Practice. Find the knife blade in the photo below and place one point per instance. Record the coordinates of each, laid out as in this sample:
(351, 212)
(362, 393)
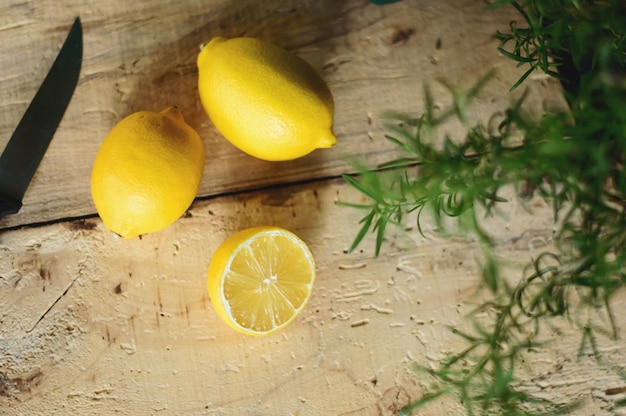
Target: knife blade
(33, 134)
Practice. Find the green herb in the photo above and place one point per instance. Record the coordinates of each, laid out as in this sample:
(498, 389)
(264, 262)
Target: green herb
(572, 160)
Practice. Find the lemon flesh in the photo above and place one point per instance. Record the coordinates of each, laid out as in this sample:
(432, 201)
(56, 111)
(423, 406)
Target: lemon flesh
(147, 172)
(260, 279)
(266, 101)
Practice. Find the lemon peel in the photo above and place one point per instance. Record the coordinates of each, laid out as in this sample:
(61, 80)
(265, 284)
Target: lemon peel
(147, 172)
(266, 101)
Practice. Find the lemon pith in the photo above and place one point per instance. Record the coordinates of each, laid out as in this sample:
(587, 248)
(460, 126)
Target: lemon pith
(260, 279)
(266, 101)
(147, 172)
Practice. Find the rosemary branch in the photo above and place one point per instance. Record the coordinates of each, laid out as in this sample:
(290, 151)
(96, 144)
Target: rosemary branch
(574, 161)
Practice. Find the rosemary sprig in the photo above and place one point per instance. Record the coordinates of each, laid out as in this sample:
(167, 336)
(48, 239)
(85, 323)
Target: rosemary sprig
(567, 39)
(574, 161)
(532, 44)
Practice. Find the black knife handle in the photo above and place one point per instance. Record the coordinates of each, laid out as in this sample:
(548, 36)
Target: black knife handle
(8, 205)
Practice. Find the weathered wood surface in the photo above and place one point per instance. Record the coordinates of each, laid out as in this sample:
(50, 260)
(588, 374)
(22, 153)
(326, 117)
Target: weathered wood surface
(94, 325)
(140, 55)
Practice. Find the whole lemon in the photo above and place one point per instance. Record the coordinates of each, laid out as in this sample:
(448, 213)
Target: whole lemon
(265, 100)
(147, 172)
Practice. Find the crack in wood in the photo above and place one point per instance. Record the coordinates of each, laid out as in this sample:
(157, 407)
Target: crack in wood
(67, 289)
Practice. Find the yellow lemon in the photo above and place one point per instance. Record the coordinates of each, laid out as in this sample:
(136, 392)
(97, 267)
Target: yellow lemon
(260, 279)
(147, 172)
(265, 100)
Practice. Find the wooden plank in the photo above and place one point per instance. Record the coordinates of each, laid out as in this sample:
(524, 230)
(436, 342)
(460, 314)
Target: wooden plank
(140, 55)
(96, 325)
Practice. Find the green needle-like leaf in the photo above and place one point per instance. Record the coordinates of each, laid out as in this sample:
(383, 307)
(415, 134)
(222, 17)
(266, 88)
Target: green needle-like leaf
(573, 161)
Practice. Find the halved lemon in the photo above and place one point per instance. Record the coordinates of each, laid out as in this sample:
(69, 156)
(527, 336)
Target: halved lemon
(260, 279)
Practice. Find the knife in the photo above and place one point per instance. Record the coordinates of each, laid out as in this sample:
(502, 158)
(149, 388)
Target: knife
(31, 138)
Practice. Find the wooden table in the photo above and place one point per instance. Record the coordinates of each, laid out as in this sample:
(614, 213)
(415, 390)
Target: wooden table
(91, 324)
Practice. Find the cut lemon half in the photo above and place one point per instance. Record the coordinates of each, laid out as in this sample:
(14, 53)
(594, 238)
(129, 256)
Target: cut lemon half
(260, 279)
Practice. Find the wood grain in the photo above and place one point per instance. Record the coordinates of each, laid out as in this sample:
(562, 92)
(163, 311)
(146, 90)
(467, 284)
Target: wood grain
(140, 55)
(94, 324)
(91, 324)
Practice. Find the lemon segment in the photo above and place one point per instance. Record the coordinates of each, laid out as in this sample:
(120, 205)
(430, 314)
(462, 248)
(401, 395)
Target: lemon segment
(260, 279)
(147, 172)
(266, 101)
